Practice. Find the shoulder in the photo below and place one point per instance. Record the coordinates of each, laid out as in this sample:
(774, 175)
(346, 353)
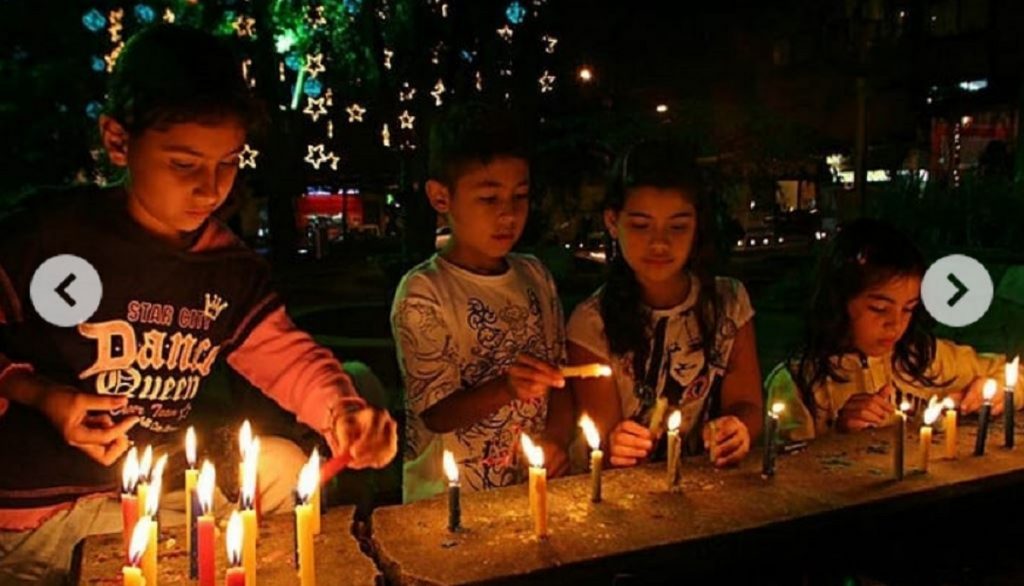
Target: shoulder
(530, 267)
(422, 279)
(586, 316)
(734, 299)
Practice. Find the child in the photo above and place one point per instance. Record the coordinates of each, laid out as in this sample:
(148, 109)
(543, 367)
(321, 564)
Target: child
(478, 328)
(867, 345)
(178, 292)
(668, 328)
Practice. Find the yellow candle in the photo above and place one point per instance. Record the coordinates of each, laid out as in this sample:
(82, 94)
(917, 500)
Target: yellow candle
(191, 477)
(244, 440)
(586, 371)
(538, 486)
(132, 574)
(931, 415)
(674, 452)
(952, 448)
(249, 532)
(315, 499)
(250, 519)
(304, 526)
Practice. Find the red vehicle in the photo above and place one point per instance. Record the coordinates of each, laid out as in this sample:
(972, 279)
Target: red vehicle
(329, 208)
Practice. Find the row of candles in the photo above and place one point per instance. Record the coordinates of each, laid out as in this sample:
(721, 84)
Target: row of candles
(142, 484)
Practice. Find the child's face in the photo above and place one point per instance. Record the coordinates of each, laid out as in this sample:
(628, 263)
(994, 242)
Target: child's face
(178, 176)
(880, 315)
(655, 230)
(487, 207)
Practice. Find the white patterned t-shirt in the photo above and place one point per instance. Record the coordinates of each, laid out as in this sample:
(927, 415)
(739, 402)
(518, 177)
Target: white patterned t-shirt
(455, 330)
(675, 367)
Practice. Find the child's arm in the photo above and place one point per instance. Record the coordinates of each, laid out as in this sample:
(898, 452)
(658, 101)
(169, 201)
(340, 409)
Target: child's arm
(527, 379)
(306, 379)
(742, 404)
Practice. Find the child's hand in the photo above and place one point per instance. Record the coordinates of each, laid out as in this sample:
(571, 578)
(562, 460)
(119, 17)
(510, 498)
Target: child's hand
(971, 398)
(866, 410)
(731, 441)
(84, 421)
(369, 436)
(630, 443)
(530, 378)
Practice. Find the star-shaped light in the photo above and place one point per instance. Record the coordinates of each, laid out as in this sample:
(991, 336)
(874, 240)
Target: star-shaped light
(168, 16)
(385, 135)
(315, 108)
(247, 158)
(388, 54)
(243, 25)
(549, 44)
(355, 113)
(319, 19)
(406, 119)
(330, 129)
(438, 92)
(547, 82)
(315, 64)
(111, 57)
(479, 82)
(505, 33)
(314, 155)
(408, 94)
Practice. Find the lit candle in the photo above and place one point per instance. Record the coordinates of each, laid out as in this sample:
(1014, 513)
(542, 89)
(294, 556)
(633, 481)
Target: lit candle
(586, 371)
(248, 516)
(191, 476)
(1011, 370)
(771, 428)
(129, 502)
(596, 456)
(235, 575)
(987, 394)
(131, 573)
(149, 561)
(245, 439)
(674, 452)
(538, 486)
(304, 525)
(145, 465)
(899, 435)
(315, 499)
(658, 416)
(952, 446)
(451, 470)
(205, 524)
(931, 415)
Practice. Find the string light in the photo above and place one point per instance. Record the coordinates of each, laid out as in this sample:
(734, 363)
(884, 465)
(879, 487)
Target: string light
(168, 16)
(479, 82)
(355, 113)
(388, 54)
(408, 94)
(505, 33)
(406, 120)
(247, 158)
(549, 44)
(438, 92)
(385, 135)
(315, 108)
(243, 26)
(547, 82)
(315, 64)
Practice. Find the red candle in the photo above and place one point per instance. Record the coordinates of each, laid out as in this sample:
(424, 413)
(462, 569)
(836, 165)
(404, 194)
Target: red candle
(205, 526)
(235, 575)
(129, 502)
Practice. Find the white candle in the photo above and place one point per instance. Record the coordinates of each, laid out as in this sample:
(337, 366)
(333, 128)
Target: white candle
(586, 370)
(931, 415)
(538, 486)
(674, 453)
(596, 456)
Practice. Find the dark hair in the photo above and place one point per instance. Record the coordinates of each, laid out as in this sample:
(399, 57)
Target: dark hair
(864, 253)
(627, 322)
(474, 133)
(168, 74)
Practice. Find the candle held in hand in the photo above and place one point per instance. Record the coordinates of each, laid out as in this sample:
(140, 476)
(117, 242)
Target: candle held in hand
(586, 371)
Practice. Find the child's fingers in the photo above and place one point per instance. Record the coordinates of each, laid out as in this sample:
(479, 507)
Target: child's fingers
(633, 428)
(101, 403)
(81, 434)
(726, 448)
(533, 375)
(552, 376)
(626, 437)
(621, 461)
(734, 452)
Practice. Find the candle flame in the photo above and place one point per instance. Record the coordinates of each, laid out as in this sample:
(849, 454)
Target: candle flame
(675, 420)
(931, 413)
(140, 539)
(604, 370)
(156, 481)
(534, 453)
(249, 468)
(130, 471)
(244, 437)
(948, 403)
(1012, 369)
(451, 468)
(190, 447)
(146, 464)
(904, 406)
(309, 478)
(989, 391)
(590, 431)
(233, 540)
(205, 485)
(778, 407)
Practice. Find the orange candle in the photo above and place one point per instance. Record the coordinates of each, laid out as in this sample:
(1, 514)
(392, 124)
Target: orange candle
(205, 525)
(314, 458)
(250, 521)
